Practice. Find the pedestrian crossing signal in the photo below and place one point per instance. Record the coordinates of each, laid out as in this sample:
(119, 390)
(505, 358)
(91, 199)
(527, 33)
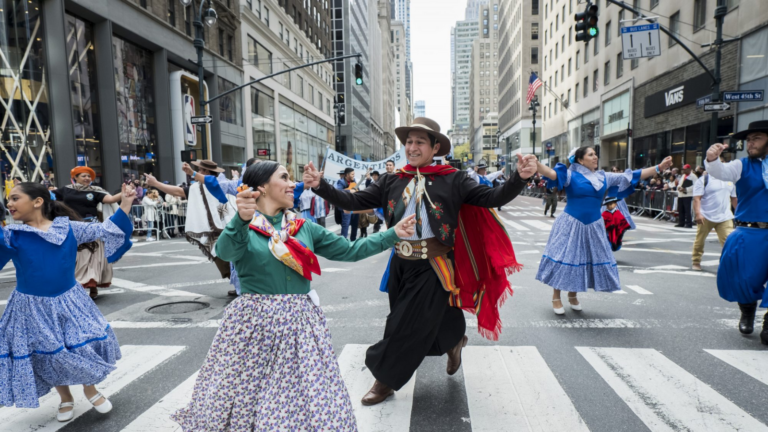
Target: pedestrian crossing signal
(359, 74)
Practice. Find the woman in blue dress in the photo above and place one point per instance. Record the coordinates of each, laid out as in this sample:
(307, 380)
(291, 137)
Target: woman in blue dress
(51, 333)
(578, 255)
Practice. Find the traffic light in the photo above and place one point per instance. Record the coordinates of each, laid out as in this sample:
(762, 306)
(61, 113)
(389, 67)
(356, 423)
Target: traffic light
(359, 74)
(586, 23)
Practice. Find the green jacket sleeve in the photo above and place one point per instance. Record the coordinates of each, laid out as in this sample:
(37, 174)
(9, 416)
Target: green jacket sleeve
(337, 248)
(233, 241)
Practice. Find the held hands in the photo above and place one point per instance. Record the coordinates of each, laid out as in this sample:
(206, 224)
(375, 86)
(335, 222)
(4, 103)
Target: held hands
(128, 193)
(312, 177)
(235, 174)
(246, 204)
(714, 152)
(406, 227)
(187, 169)
(527, 165)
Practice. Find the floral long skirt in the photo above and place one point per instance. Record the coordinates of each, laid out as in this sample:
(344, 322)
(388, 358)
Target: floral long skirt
(271, 367)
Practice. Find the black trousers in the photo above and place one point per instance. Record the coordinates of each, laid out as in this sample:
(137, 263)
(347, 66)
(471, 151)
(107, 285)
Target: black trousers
(684, 211)
(420, 323)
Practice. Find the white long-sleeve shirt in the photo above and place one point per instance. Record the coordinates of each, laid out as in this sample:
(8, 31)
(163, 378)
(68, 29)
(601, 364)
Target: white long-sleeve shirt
(730, 171)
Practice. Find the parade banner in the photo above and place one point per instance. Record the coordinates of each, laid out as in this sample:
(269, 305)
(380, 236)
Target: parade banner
(336, 162)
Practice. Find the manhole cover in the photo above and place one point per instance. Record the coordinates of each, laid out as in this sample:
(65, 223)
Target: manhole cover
(177, 307)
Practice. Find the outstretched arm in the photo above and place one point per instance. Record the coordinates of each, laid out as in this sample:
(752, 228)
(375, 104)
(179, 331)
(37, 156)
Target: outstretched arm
(366, 199)
(165, 188)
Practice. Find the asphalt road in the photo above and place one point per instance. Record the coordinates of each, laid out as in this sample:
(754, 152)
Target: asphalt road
(662, 355)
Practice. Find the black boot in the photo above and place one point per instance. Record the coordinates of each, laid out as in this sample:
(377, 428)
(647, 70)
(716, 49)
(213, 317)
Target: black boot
(764, 333)
(747, 321)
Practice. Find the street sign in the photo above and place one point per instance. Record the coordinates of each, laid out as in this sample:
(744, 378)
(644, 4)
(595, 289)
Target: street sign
(702, 100)
(551, 152)
(743, 96)
(196, 120)
(549, 145)
(640, 41)
(717, 107)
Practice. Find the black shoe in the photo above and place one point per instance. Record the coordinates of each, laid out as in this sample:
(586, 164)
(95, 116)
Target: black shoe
(679, 226)
(764, 333)
(747, 321)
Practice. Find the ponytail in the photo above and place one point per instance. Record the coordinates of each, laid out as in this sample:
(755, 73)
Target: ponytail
(51, 209)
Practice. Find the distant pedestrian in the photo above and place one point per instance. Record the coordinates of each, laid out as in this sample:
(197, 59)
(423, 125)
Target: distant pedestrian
(712, 202)
(151, 202)
(349, 221)
(685, 197)
(550, 200)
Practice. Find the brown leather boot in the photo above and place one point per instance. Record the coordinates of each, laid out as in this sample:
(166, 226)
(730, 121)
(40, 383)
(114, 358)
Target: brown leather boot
(377, 394)
(454, 356)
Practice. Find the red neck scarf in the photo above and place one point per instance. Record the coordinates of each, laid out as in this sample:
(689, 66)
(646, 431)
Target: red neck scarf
(484, 259)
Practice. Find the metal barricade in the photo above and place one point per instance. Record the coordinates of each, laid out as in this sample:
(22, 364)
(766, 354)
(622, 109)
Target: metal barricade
(142, 226)
(173, 217)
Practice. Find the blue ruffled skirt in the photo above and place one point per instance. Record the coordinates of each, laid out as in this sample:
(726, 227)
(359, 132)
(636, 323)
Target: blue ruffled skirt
(52, 341)
(578, 256)
(743, 273)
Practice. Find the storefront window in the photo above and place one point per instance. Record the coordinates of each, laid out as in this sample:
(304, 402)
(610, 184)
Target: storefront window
(230, 109)
(135, 107)
(26, 134)
(263, 115)
(84, 95)
(287, 140)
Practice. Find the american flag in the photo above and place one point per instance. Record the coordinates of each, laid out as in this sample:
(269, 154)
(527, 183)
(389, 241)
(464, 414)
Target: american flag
(533, 84)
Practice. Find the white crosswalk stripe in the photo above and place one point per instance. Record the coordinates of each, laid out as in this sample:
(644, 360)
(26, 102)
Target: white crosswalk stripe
(512, 388)
(538, 224)
(638, 289)
(515, 226)
(137, 361)
(665, 396)
(157, 418)
(392, 415)
(751, 363)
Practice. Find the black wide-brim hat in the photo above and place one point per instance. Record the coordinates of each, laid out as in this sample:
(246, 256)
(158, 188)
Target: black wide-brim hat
(429, 126)
(755, 126)
(481, 166)
(609, 200)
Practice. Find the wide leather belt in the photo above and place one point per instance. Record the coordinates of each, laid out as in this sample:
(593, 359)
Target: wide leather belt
(421, 249)
(763, 225)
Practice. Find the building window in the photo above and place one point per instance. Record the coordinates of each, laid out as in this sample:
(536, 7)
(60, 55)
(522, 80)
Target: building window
(301, 86)
(259, 56)
(221, 42)
(576, 92)
(634, 63)
(569, 67)
(555, 78)
(618, 27)
(135, 96)
(557, 50)
(619, 66)
(143, 3)
(654, 3)
(263, 116)
(281, 31)
(311, 94)
(172, 13)
(230, 47)
(586, 86)
(570, 35)
(595, 80)
(607, 73)
(229, 105)
(83, 95)
(674, 27)
(596, 45)
(534, 7)
(608, 33)
(577, 60)
(732, 4)
(266, 16)
(188, 20)
(557, 28)
(534, 31)
(287, 77)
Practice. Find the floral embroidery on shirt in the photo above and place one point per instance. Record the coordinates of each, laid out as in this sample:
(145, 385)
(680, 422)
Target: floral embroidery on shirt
(391, 206)
(437, 210)
(445, 231)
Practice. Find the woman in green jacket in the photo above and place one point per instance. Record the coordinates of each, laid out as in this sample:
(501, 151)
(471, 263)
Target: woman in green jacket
(271, 365)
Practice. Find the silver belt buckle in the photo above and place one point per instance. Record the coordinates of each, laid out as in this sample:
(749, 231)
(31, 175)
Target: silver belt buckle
(405, 249)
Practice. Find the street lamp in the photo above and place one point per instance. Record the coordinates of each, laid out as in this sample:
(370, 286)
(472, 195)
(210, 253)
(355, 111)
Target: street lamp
(210, 19)
(532, 108)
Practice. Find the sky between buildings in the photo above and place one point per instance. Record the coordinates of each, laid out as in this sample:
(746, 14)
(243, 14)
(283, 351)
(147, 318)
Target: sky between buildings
(431, 22)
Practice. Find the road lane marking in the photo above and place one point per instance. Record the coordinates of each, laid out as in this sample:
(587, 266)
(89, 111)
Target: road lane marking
(664, 395)
(163, 255)
(137, 361)
(710, 263)
(514, 225)
(158, 417)
(527, 252)
(537, 224)
(152, 289)
(638, 289)
(392, 415)
(157, 265)
(334, 270)
(512, 388)
(164, 324)
(751, 363)
(682, 273)
(354, 305)
(619, 292)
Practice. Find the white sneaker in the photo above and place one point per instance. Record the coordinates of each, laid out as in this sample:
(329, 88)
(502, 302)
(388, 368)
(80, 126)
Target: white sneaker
(66, 416)
(104, 407)
(150, 239)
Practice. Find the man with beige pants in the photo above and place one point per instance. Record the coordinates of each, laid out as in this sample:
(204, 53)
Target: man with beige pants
(712, 201)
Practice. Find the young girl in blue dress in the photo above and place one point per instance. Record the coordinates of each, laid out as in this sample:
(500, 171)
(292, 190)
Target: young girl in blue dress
(578, 255)
(51, 333)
